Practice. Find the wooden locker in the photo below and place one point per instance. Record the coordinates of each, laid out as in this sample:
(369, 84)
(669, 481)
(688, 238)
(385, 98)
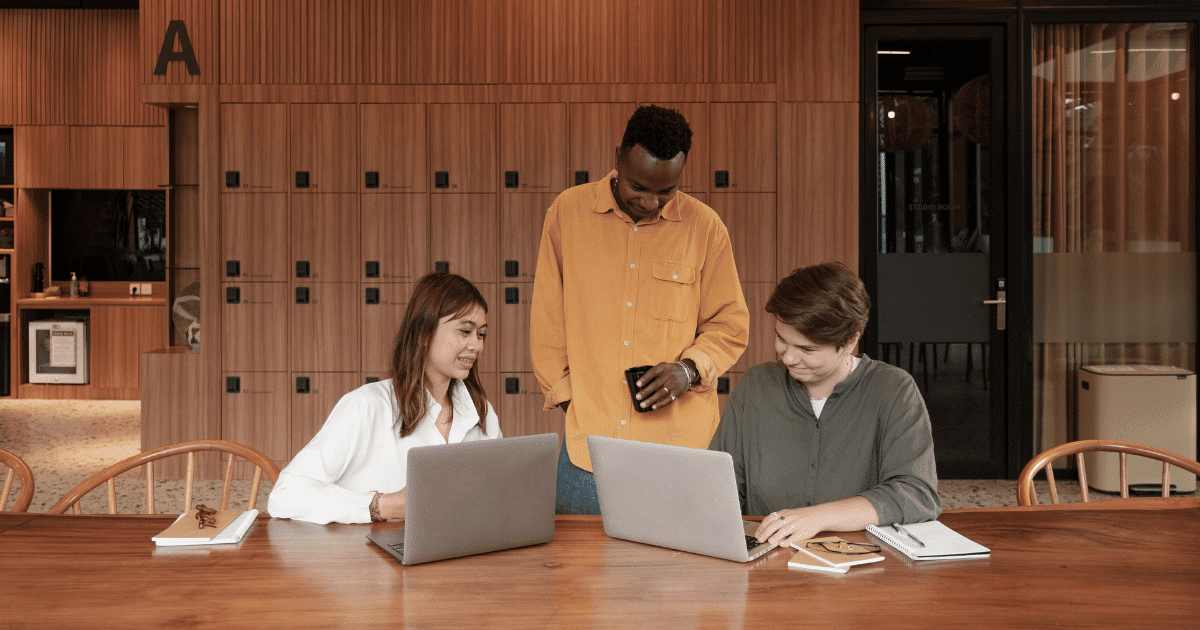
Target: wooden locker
(743, 146)
(696, 177)
(730, 383)
(491, 389)
(462, 148)
(314, 395)
(395, 237)
(324, 147)
(464, 232)
(254, 330)
(516, 300)
(254, 147)
(97, 157)
(596, 130)
(391, 141)
(761, 346)
(533, 147)
(253, 248)
(42, 156)
(382, 311)
(324, 238)
(489, 359)
(521, 219)
(520, 409)
(255, 411)
(323, 329)
(147, 157)
(750, 219)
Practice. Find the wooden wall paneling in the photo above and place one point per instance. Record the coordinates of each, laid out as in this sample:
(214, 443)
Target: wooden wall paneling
(254, 331)
(202, 19)
(490, 381)
(696, 176)
(324, 143)
(254, 142)
(97, 157)
(489, 360)
(464, 231)
(170, 395)
(118, 335)
(463, 142)
(761, 346)
(819, 42)
(521, 220)
(185, 227)
(820, 163)
(41, 156)
(147, 157)
(395, 234)
(744, 139)
(304, 42)
(723, 399)
(379, 324)
(259, 414)
(596, 130)
(252, 235)
(184, 145)
(520, 409)
(310, 408)
(323, 332)
(533, 144)
(325, 235)
(750, 218)
(391, 141)
(513, 317)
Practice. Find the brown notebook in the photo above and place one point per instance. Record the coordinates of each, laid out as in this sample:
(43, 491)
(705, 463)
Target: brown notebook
(807, 553)
(231, 525)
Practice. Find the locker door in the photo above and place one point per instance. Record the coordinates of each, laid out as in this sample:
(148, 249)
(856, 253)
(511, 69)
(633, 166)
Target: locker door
(254, 334)
(395, 238)
(464, 233)
(252, 244)
(324, 237)
(750, 218)
(521, 219)
(382, 311)
(726, 383)
(743, 147)
(761, 347)
(324, 155)
(533, 147)
(596, 130)
(255, 412)
(323, 332)
(254, 147)
(462, 147)
(313, 396)
(520, 407)
(516, 302)
(696, 176)
(391, 140)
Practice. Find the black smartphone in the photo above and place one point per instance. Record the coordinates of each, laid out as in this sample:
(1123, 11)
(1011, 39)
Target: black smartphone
(631, 378)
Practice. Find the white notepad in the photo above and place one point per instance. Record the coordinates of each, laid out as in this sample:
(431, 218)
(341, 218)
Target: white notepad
(941, 542)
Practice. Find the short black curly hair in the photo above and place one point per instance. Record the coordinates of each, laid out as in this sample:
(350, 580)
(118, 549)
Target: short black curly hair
(664, 133)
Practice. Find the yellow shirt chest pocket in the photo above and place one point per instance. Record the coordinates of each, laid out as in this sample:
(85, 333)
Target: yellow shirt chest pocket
(672, 292)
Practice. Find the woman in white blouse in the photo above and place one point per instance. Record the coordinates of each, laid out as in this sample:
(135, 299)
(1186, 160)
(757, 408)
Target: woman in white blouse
(353, 470)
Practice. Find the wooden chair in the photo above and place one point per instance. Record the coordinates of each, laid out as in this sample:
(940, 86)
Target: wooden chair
(19, 469)
(1027, 496)
(262, 464)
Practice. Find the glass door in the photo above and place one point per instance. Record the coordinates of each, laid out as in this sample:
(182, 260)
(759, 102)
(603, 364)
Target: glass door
(933, 242)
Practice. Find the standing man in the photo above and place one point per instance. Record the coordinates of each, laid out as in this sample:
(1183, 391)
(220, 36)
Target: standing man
(632, 272)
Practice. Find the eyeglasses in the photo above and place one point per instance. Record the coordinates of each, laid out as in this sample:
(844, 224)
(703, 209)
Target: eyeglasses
(845, 548)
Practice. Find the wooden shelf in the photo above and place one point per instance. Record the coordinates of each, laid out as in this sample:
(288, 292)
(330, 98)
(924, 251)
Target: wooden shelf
(67, 302)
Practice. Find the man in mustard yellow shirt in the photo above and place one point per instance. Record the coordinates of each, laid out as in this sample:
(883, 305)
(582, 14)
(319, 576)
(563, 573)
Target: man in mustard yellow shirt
(632, 272)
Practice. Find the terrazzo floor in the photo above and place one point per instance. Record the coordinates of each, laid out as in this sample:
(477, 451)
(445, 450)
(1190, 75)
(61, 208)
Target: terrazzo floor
(66, 441)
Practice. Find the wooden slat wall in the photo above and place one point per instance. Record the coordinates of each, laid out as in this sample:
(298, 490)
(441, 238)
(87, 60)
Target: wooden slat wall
(200, 17)
(72, 68)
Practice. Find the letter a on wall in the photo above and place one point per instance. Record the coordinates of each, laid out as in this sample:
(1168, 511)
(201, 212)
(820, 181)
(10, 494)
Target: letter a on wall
(176, 29)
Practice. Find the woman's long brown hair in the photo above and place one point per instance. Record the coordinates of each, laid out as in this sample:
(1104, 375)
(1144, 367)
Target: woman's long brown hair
(436, 296)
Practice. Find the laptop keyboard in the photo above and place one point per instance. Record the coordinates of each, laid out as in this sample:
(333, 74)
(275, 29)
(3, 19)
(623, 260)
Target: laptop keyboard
(397, 547)
(751, 543)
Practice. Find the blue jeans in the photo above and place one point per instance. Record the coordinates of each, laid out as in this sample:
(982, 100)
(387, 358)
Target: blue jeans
(576, 488)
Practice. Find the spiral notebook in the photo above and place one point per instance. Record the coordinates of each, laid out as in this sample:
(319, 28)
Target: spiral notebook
(940, 542)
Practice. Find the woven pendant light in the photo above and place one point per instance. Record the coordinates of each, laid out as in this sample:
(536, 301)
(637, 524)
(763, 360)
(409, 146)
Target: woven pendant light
(905, 123)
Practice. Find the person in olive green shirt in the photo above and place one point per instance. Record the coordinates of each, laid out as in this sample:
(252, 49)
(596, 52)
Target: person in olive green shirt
(823, 440)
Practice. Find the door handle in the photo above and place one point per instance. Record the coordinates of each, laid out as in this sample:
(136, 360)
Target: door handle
(1001, 304)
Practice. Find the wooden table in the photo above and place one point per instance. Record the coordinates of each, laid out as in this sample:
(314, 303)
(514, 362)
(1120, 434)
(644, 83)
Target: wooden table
(1092, 566)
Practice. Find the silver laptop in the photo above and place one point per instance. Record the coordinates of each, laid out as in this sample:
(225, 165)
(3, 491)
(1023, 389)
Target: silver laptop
(475, 497)
(672, 496)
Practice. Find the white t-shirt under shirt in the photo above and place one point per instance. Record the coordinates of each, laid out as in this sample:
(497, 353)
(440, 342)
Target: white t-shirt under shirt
(819, 403)
(359, 450)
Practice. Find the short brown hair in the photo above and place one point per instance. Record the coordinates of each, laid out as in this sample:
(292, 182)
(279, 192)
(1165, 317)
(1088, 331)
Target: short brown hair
(826, 303)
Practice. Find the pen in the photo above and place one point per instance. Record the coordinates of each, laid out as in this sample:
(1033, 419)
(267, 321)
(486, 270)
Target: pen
(906, 533)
